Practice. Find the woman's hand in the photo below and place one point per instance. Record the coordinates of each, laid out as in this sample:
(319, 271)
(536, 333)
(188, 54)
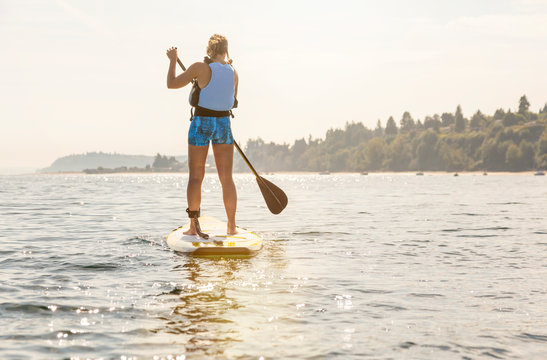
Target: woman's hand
(172, 53)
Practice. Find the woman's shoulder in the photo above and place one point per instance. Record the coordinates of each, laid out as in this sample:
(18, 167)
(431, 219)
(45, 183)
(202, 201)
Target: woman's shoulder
(199, 65)
(199, 68)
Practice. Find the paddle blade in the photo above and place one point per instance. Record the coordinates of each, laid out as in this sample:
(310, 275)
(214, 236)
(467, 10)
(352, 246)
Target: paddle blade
(275, 197)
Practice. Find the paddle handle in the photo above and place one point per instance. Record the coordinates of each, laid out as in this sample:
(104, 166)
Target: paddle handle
(181, 64)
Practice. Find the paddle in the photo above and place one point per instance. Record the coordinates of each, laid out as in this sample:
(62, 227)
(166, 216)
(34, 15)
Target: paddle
(275, 198)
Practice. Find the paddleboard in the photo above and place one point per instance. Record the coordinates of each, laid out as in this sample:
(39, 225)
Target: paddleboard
(219, 243)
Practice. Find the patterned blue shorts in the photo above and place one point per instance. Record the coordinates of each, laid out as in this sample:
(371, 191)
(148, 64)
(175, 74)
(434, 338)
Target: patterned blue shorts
(204, 129)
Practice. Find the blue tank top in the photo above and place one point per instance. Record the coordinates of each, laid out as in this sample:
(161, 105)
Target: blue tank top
(219, 93)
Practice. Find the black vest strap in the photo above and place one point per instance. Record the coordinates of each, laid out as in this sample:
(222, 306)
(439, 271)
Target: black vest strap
(200, 111)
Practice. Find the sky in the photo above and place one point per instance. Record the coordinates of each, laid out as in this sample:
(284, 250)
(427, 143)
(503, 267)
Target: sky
(83, 76)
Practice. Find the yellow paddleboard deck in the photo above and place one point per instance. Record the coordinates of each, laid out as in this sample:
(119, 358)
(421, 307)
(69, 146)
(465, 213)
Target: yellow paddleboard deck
(219, 243)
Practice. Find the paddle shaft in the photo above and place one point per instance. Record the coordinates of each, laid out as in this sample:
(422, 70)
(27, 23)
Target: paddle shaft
(246, 160)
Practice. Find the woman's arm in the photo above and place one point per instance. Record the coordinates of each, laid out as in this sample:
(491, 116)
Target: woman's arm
(236, 82)
(176, 82)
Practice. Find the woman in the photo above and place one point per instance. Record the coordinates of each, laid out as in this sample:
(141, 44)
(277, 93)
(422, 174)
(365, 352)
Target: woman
(210, 123)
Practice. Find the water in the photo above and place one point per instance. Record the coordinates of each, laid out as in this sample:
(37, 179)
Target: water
(378, 266)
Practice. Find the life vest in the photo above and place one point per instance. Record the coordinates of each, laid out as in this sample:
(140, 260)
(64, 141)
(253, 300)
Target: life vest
(194, 98)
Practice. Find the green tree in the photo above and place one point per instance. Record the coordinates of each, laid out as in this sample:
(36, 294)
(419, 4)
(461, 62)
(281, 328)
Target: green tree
(378, 131)
(427, 151)
(513, 157)
(541, 157)
(499, 114)
(296, 152)
(432, 122)
(391, 127)
(477, 120)
(398, 154)
(452, 159)
(407, 122)
(160, 162)
(358, 161)
(375, 153)
(447, 119)
(508, 134)
(527, 152)
(542, 145)
(339, 161)
(335, 139)
(524, 105)
(542, 161)
(315, 159)
(492, 145)
(511, 119)
(493, 154)
(357, 133)
(494, 130)
(459, 120)
(299, 147)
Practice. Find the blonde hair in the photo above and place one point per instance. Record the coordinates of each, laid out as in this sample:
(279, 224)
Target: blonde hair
(218, 45)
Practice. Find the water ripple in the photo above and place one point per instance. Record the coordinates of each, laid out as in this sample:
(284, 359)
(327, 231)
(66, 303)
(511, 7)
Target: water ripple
(406, 269)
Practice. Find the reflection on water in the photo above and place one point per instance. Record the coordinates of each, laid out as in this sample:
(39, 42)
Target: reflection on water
(378, 266)
(200, 304)
(203, 315)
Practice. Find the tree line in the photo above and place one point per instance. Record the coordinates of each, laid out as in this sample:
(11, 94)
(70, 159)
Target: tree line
(504, 141)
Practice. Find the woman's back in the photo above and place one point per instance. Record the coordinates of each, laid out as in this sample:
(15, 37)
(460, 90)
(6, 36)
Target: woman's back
(219, 92)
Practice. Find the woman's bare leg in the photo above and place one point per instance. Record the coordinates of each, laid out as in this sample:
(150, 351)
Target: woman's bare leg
(197, 156)
(224, 159)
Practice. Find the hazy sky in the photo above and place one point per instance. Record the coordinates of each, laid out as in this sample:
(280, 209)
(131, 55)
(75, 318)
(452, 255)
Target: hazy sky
(81, 76)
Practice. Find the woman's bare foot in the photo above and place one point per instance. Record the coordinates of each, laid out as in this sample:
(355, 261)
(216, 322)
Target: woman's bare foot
(192, 230)
(231, 230)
